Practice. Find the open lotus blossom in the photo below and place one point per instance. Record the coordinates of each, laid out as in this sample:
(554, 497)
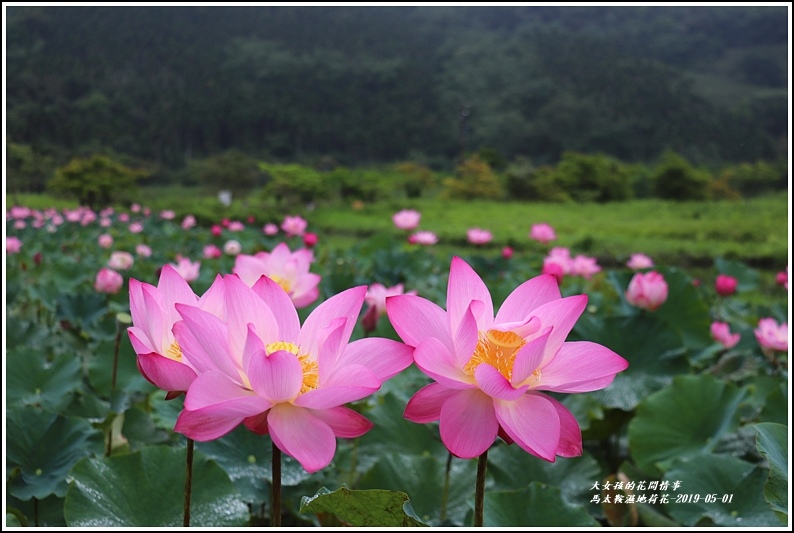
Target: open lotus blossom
(143, 250)
(489, 370)
(270, 229)
(108, 281)
(153, 313)
(721, 332)
(725, 285)
(13, 245)
(124, 217)
(647, 291)
(121, 261)
(236, 225)
(232, 247)
(167, 214)
(558, 263)
(543, 233)
(289, 269)
(105, 240)
(376, 300)
(260, 367)
(478, 236)
(639, 261)
(294, 225)
(211, 252)
(188, 222)
(188, 269)
(772, 336)
(584, 266)
(406, 219)
(425, 238)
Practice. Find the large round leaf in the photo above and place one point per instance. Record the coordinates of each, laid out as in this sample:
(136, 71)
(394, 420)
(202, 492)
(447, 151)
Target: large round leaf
(537, 505)
(33, 380)
(246, 457)
(736, 486)
(652, 348)
(364, 508)
(146, 489)
(41, 448)
(685, 418)
(772, 442)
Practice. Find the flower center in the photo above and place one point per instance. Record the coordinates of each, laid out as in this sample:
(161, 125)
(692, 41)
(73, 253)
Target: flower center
(283, 283)
(311, 372)
(174, 352)
(498, 349)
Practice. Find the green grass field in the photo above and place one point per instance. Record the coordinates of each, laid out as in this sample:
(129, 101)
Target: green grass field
(681, 233)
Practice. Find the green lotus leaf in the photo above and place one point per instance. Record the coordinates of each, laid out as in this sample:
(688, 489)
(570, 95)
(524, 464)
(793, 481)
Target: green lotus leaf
(364, 508)
(772, 442)
(537, 505)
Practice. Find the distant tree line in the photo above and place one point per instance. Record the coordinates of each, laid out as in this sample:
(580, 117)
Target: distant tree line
(162, 87)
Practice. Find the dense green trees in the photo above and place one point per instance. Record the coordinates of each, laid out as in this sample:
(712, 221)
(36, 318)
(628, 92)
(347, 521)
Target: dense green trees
(364, 85)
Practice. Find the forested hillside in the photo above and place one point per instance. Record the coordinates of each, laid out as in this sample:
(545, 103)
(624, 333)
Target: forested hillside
(164, 85)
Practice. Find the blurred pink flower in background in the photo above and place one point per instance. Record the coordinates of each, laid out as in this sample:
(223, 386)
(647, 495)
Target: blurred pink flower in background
(108, 281)
(167, 214)
(288, 269)
(584, 266)
(135, 208)
(376, 302)
(236, 225)
(507, 252)
(265, 370)
(270, 229)
(489, 370)
(478, 236)
(188, 222)
(406, 219)
(725, 285)
(781, 278)
(310, 240)
(543, 233)
(105, 222)
(647, 291)
(639, 261)
(558, 263)
(212, 252)
(146, 211)
(136, 227)
(425, 238)
(216, 230)
(143, 250)
(121, 261)
(124, 217)
(105, 240)
(294, 225)
(20, 224)
(106, 212)
(772, 336)
(232, 247)
(186, 268)
(13, 245)
(721, 332)
(225, 222)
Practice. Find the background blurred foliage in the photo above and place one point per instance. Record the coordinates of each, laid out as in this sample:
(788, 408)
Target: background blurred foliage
(376, 85)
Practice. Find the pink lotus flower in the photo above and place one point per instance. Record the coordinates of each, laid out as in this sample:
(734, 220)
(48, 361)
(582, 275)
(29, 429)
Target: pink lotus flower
(143, 250)
(507, 252)
(489, 371)
(13, 245)
(105, 222)
(167, 214)
(310, 240)
(406, 219)
(721, 332)
(232, 247)
(725, 285)
(558, 263)
(260, 367)
(772, 336)
(270, 229)
(425, 238)
(236, 225)
(124, 217)
(212, 252)
(121, 261)
(781, 278)
(584, 266)
(108, 281)
(187, 268)
(647, 291)
(135, 208)
(216, 230)
(105, 240)
(543, 233)
(294, 225)
(20, 224)
(135, 227)
(153, 313)
(290, 270)
(376, 300)
(639, 261)
(478, 236)
(188, 222)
